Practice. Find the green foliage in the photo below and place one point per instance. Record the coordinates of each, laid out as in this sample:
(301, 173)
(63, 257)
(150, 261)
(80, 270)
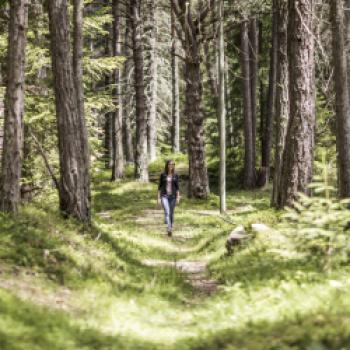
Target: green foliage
(96, 68)
(95, 25)
(317, 226)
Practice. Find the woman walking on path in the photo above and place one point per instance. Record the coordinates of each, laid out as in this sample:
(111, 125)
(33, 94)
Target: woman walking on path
(169, 193)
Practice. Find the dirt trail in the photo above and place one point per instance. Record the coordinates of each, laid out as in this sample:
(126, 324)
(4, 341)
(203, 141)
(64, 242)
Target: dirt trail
(195, 270)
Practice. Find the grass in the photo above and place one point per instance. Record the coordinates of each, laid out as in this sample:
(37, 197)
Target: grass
(63, 286)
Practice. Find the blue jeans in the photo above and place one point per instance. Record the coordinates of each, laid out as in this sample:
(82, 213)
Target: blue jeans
(169, 203)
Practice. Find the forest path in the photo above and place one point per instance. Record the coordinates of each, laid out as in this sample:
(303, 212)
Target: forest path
(195, 271)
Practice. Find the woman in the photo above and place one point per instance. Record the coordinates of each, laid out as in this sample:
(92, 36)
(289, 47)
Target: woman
(169, 193)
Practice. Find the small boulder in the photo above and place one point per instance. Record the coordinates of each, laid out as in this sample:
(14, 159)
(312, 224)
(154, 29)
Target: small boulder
(260, 228)
(235, 238)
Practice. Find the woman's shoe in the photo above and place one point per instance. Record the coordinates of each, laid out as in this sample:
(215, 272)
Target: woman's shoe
(170, 233)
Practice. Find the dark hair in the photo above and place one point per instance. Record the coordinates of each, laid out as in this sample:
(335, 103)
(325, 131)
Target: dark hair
(166, 168)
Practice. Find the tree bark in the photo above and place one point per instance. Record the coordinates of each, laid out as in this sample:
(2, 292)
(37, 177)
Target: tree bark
(198, 177)
(128, 106)
(175, 109)
(249, 171)
(153, 82)
(229, 109)
(271, 102)
(253, 59)
(78, 46)
(108, 117)
(282, 98)
(347, 38)
(341, 97)
(222, 107)
(298, 152)
(262, 98)
(141, 161)
(117, 119)
(14, 107)
(74, 196)
(190, 21)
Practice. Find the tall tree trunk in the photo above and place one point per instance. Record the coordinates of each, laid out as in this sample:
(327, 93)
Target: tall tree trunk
(128, 106)
(117, 119)
(282, 98)
(188, 17)
(14, 106)
(198, 177)
(262, 96)
(222, 107)
(341, 97)
(153, 82)
(74, 196)
(1, 117)
(271, 102)
(347, 38)
(253, 70)
(1, 133)
(249, 171)
(141, 161)
(298, 152)
(108, 117)
(229, 129)
(78, 46)
(175, 103)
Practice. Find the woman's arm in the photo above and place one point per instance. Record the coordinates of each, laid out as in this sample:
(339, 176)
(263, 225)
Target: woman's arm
(177, 197)
(177, 189)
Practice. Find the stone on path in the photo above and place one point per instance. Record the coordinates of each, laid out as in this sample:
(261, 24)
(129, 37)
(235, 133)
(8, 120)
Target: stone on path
(260, 227)
(235, 238)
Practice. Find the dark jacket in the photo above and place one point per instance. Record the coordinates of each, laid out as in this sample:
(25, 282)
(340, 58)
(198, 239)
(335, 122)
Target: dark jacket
(162, 184)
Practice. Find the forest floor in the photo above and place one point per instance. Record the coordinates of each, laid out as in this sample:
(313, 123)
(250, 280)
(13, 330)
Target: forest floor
(123, 284)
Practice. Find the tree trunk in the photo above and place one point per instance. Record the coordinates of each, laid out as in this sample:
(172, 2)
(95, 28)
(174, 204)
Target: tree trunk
(298, 152)
(74, 196)
(141, 161)
(249, 171)
(175, 109)
(198, 185)
(14, 106)
(117, 118)
(229, 129)
(153, 82)
(108, 117)
(282, 98)
(128, 106)
(271, 102)
(341, 97)
(198, 177)
(78, 46)
(347, 38)
(222, 107)
(253, 70)
(262, 97)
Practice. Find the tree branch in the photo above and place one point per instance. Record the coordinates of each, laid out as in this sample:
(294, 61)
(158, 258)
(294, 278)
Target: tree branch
(47, 164)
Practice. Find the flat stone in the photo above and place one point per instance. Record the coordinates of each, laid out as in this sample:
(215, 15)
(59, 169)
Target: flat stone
(260, 227)
(237, 232)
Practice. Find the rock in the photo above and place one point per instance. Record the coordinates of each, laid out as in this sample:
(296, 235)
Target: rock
(260, 228)
(235, 238)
